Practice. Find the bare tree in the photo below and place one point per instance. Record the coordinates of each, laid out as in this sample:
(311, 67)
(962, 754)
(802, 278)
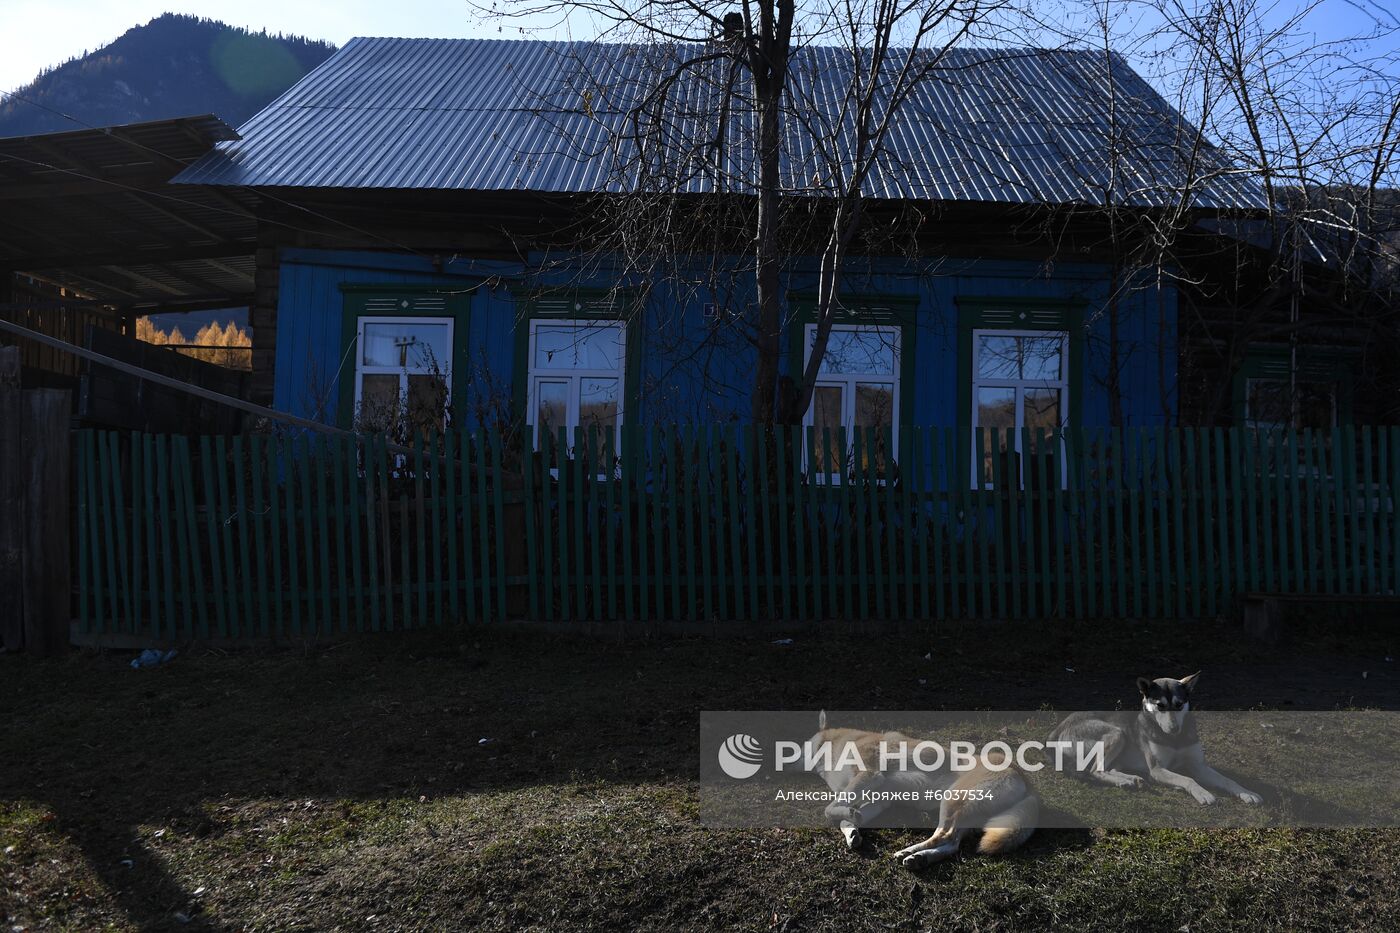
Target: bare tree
(725, 142)
(783, 151)
(1313, 121)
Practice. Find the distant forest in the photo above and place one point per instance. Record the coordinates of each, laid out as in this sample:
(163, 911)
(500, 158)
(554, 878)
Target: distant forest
(173, 66)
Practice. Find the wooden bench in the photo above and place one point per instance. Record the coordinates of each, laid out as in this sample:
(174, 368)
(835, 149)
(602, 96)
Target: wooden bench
(1262, 612)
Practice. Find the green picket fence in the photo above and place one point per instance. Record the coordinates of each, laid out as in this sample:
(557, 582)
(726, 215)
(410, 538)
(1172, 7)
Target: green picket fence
(261, 535)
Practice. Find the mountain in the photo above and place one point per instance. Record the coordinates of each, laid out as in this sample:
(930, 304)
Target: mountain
(173, 66)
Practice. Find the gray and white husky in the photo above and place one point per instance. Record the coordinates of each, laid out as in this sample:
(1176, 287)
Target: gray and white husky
(1159, 743)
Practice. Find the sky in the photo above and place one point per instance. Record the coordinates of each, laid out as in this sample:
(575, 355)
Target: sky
(35, 34)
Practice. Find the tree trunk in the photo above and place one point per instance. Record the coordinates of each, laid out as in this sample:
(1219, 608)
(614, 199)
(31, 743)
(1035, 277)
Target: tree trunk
(768, 65)
(1115, 365)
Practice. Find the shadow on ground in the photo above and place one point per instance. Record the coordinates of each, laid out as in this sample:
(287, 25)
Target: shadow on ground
(131, 775)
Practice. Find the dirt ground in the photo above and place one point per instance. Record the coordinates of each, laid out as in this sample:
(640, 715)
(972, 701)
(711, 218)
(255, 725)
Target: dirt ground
(348, 786)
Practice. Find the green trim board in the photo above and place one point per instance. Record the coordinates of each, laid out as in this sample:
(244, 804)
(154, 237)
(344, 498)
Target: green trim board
(1315, 364)
(871, 308)
(578, 304)
(401, 300)
(992, 312)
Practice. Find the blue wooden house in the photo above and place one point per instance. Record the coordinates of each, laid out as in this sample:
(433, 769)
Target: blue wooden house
(413, 196)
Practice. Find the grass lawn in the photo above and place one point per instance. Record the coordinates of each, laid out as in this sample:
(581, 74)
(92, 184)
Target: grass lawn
(347, 788)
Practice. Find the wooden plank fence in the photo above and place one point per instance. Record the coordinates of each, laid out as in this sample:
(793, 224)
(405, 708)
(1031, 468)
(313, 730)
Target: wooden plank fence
(272, 536)
(34, 513)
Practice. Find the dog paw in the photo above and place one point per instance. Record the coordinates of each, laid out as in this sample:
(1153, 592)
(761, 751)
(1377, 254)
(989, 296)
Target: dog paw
(1251, 798)
(852, 834)
(1205, 798)
(928, 857)
(1134, 782)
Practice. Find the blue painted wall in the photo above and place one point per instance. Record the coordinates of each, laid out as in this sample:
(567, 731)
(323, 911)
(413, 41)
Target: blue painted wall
(690, 375)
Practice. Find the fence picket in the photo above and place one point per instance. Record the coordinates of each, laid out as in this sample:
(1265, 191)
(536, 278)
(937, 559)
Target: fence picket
(483, 519)
(242, 532)
(629, 521)
(88, 512)
(1369, 499)
(1139, 488)
(609, 528)
(499, 519)
(436, 456)
(675, 477)
(274, 524)
(256, 466)
(125, 587)
(734, 520)
(191, 573)
(1078, 526)
(764, 520)
(781, 437)
(420, 538)
(167, 545)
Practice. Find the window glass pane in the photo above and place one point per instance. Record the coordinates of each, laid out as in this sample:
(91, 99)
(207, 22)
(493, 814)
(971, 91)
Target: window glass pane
(1267, 403)
(858, 351)
(1042, 408)
(551, 407)
(1270, 406)
(1317, 405)
(585, 345)
(874, 404)
(998, 357)
(597, 407)
(379, 402)
(415, 347)
(427, 403)
(1041, 357)
(874, 409)
(996, 408)
(826, 414)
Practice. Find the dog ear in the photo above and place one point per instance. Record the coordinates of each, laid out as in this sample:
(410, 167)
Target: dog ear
(1190, 682)
(821, 721)
(1145, 686)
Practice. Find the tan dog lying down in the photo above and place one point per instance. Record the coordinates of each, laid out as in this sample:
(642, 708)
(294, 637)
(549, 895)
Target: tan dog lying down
(998, 802)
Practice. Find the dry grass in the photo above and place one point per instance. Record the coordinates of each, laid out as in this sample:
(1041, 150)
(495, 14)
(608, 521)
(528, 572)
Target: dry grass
(346, 788)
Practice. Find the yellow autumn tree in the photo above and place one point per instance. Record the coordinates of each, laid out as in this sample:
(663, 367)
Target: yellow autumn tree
(224, 345)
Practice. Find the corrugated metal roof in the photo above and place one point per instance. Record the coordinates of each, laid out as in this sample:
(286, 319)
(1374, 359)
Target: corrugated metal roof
(1003, 125)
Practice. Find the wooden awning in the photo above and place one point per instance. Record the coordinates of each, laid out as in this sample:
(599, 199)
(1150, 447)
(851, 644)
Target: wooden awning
(91, 211)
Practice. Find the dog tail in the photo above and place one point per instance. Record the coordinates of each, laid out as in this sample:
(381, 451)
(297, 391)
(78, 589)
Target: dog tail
(1010, 828)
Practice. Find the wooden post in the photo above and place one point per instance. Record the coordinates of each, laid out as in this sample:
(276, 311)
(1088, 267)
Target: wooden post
(11, 503)
(46, 593)
(1262, 618)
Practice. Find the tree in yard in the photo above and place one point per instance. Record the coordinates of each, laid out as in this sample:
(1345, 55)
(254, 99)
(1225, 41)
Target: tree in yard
(726, 141)
(1313, 122)
(736, 154)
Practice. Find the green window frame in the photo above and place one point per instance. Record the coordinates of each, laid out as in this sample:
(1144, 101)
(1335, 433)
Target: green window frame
(389, 300)
(985, 315)
(865, 312)
(860, 309)
(1328, 365)
(579, 304)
